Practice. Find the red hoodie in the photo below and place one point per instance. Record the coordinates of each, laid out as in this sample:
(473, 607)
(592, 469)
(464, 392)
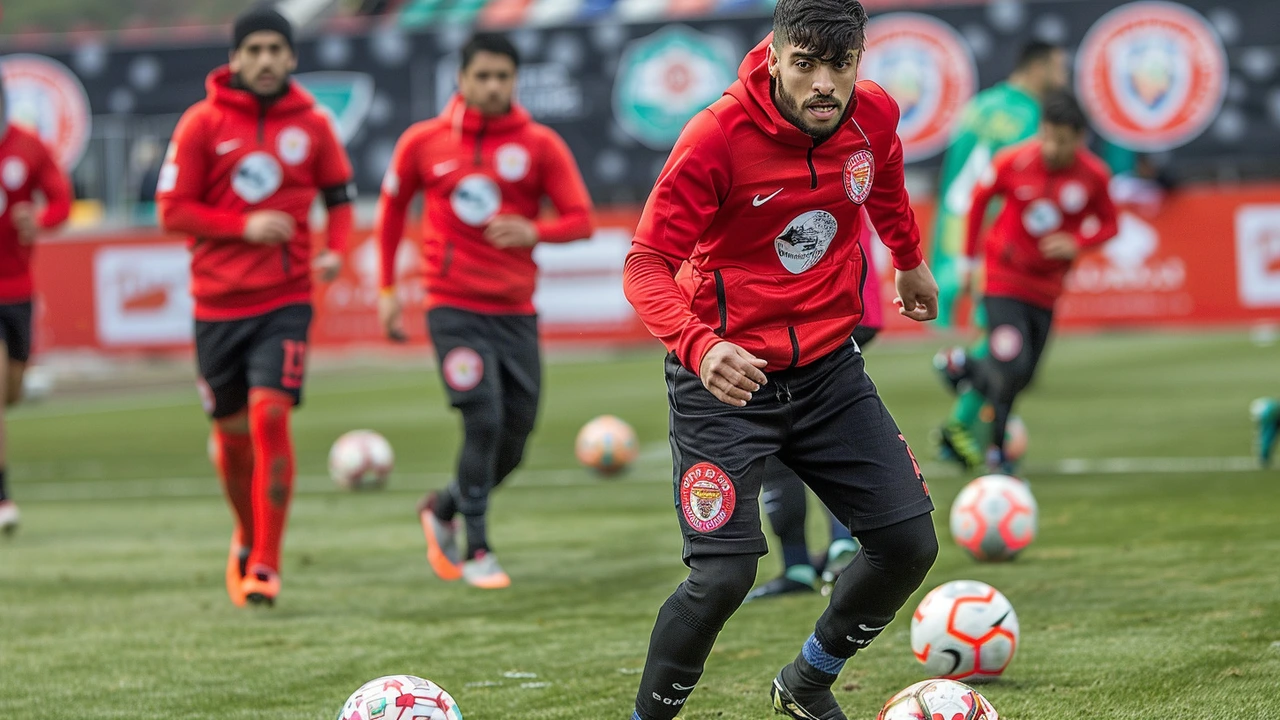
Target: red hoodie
(231, 156)
(471, 169)
(763, 226)
(25, 168)
(1038, 203)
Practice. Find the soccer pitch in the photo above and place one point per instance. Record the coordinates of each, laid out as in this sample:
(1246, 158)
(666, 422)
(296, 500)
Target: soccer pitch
(1151, 592)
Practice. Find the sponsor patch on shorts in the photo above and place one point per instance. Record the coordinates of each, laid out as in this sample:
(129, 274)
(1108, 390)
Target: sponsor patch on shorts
(463, 369)
(1006, 343)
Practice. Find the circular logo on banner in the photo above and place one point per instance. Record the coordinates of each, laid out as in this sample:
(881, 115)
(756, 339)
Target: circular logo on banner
(805, 240)
(293, 144)
(1152, 75)
(44, 96)
(257, 177)
(1041, 217)
(707, 497)
(859, 173)
(463, 369)
(1006, 343)
(476, 200)
(928, 68)
(512, 161)
(666, 78)
(13, 173)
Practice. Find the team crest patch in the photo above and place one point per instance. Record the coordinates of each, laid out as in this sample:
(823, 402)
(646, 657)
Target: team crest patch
(1006, 343)
(293, 144)
(707, 497)
(859, 173)
(1073, 197)
(257, 177)
(463, 369)
(14, 173)
(512, 161)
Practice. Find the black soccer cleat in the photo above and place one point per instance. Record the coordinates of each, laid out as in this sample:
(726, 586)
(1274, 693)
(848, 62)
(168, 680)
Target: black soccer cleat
(785, 704)
(781, 585)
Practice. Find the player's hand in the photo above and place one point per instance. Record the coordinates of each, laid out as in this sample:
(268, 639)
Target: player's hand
(917, 294)
(1059, 246)
(511, 231)
(24, 219)
(269, 227)
(731, 373)
(327, 265)
(389, 316)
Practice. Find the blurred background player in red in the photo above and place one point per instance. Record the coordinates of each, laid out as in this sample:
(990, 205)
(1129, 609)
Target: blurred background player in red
(244, 168)
(1056, 204)
(27, 172)
(484, 167)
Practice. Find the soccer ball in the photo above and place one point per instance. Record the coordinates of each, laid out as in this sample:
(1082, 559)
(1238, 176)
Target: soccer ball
(994, 517)
(400, 696)
(1015, 439)
(964, 630)
(933, 699)
(361, 460)
(607, 445)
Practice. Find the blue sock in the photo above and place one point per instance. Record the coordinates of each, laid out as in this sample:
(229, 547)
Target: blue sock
(838, 530)
(636, 715)
(793, 555)
(820, 659)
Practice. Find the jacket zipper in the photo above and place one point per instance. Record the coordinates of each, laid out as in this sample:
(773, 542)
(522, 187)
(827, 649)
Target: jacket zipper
(813, 172)
(484, 125)
(721, 304)
(262, 137)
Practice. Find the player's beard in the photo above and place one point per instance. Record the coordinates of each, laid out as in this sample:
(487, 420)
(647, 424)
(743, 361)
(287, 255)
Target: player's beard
(793, 111)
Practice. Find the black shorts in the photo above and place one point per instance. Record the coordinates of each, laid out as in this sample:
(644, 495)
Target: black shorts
(487, 358)
(264, 351)
(825, 421)
(15, 330)
(1018, 333)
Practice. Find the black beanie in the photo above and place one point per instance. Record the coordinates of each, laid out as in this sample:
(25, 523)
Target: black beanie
(261, 18)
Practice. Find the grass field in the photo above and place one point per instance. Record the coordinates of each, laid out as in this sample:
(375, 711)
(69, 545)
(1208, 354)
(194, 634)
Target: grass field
(1152, 591)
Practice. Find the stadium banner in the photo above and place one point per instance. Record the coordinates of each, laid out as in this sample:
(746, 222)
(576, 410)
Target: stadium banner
(1201, 257)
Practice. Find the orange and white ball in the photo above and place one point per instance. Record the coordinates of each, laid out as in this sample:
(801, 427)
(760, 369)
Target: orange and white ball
(361, 460)
(607, 445)
(994, 517)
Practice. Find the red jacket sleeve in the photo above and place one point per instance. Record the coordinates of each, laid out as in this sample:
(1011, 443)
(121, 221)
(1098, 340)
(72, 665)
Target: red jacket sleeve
(563, 183)
(400, 184)
(181, 187)
(889, 206)
(334, 175)
(1104, 209)
(683, 204)
(984, 191)
(55, 186)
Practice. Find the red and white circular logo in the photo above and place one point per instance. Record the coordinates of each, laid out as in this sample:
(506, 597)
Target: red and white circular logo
(928, 68)
(859, 173)
(1006, 343)
(47, 98)
(463, 369)
(1152, 75)
(707, 497)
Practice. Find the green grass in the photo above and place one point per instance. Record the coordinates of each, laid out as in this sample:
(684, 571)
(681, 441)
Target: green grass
(1145, 596)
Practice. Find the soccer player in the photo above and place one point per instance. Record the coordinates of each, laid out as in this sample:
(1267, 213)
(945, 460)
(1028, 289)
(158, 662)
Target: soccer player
(27, 170)
(1265, 414)
(746, 265)
(243, 170)
(1056, 204)
(484, 167)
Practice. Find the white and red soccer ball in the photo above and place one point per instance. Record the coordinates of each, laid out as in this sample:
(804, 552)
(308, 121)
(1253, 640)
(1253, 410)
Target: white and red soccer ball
(938, 700)
(400, 696)
(361, 460)
(994, 517)
(607, 445)
(964, 630)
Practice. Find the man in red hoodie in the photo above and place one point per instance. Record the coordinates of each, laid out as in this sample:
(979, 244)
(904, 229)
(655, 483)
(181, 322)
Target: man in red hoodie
(242, 172)
(746, 265)
(484, 168)
(26, 168)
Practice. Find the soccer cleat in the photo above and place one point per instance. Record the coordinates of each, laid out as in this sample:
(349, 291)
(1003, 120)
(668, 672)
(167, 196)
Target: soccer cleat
(781, 585)
(442, 541)
(261, 586)
(8, 517)
(1265, 413)
(839, 555)
(483, 571)
(998, 463)
(955, 438)
(952, 366)
(784, 703)
(237, 559)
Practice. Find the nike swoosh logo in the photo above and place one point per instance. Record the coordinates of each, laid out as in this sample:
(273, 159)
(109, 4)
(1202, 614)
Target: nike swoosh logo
(682, 688)
(227, 146)
(955, 660)
(864, 628)
(758, 201)
(444, 168)
(999, 622)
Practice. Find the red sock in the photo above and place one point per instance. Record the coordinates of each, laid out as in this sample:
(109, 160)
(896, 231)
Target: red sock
(234, 457)
(272, 473)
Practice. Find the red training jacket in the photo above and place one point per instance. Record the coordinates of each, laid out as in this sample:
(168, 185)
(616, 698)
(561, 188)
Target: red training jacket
(1038, 203)
(759, 226)
(472, 169)
(25, 168)
(231, 156)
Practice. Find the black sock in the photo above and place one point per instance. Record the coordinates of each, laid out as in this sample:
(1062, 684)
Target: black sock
(446, 506)
(477, 535)
(4, 489)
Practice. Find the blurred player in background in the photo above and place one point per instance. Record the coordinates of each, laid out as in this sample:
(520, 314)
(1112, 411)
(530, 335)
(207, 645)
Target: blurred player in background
(746, 264)
(1056, 204)
(484, 167)
(27, 173)
(785, 499)
(243, 170)
(1265, 413)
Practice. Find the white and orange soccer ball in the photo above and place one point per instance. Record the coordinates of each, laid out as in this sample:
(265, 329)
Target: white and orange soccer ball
(994, 517)
(938, 700)
(964, 630)
(361, 460)
(400, 696)
(607, 445)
